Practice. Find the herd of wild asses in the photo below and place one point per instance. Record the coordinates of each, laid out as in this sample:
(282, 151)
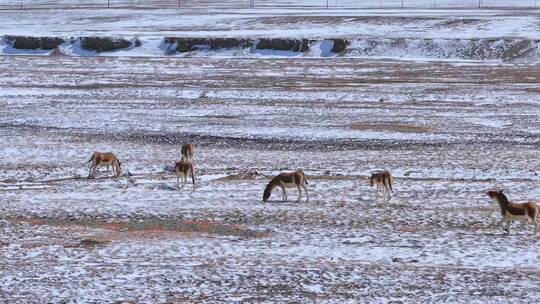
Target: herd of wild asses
(510, 211)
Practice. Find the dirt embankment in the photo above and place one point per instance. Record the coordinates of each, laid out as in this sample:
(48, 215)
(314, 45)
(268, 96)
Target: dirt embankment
(182, 45)
(174, 44)
(33, 43)
(504, 49)
(98, 44)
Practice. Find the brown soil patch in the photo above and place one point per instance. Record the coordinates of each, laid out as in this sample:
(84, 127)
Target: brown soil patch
(390, 127)
(89, 243)
(148, 228)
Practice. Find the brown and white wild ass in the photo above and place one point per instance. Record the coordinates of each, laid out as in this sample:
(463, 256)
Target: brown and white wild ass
(183, 169)
(382, 179)
(525, 211)
(99, 159)
(187, 152)
(287, 180)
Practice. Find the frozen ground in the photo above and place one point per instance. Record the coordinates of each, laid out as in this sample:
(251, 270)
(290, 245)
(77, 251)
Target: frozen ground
(448, 132)
(350, 23)
(487, 34)
(267, 3)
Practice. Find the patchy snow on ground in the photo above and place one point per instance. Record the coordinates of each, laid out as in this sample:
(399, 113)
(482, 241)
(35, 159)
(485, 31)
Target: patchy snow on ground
(447, 127)
(274, 22)
(447, 131)
(492, 34)
(485, 34)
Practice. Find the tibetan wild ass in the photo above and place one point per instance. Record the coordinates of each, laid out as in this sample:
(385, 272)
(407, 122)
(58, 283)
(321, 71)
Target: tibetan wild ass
(382, 179)
(100, 159)
(183, 169)
(287, 180)
(187, 152)
(525, 211)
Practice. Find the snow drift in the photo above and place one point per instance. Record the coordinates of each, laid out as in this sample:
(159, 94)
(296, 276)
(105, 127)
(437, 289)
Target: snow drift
(504, 49)
(481, 49)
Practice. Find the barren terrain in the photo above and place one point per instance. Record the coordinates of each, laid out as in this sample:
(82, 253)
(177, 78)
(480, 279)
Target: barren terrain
(448, 22)
(448, 132)
(446, 98)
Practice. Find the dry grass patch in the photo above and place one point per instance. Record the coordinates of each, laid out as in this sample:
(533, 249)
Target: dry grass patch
(390, 127)
(243, 175)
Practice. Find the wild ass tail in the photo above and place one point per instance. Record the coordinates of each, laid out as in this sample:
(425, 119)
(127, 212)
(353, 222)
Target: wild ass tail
(304, 176)
(91, 158)
(192, 174)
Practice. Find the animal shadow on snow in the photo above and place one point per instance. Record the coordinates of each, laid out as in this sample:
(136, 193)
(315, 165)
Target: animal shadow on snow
(517, 231)
(284, 203)
(365, 199)
(175, 188)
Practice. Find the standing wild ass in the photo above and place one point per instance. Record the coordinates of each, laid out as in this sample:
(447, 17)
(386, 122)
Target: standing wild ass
(187, 152)
(525, 211)
(382, 179)
(183, 169)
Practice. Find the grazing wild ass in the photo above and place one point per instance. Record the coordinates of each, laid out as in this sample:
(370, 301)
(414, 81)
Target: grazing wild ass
(99, 159)
(183, 169)
(382, 179)
(287, 180)
(187, 152)
(526, 211)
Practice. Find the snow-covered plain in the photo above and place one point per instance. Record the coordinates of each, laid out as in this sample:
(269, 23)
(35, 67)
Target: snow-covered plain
(495, 34)
(268, 3)
(274, 22)
(448, 130)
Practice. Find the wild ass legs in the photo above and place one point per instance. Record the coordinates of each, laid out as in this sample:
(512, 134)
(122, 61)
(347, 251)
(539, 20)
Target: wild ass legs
(300, 187)
(377, 191)
(388, 187)
(300, 193)
(506, 224)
